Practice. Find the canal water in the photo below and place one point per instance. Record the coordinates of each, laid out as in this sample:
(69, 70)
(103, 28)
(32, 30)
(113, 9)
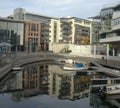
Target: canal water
(47, 85)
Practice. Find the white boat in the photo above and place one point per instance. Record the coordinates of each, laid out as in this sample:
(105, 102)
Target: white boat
(111, 90)
(69, 60)
(74, 67)
(17, 68)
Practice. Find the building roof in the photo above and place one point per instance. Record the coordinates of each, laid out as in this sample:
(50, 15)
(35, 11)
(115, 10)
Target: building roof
(36, 14)
(117, 6)
(11, 20)
(95, 17)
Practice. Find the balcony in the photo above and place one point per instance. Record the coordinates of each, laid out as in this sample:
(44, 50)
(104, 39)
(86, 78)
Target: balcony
(116, 15)
(114, 38)
(105, 31)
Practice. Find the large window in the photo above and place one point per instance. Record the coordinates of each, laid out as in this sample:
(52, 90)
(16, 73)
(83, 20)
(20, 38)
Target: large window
(12, 32)
(116, 22)
(33, 27)
(106, 12)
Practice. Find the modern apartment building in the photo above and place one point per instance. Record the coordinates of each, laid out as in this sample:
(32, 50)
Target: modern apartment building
(32, 36)
(22, 14)
(110, 32)
(12, 31)
(78, 29)
(70, 30)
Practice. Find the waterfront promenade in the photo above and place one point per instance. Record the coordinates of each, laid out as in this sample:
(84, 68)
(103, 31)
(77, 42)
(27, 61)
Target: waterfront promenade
(7, 62)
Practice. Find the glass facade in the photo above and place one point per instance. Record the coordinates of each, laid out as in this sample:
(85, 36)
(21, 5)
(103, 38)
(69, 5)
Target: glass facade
(96, 26)
(12, 32)
(116, 21)
(106, 12)
(32, 44)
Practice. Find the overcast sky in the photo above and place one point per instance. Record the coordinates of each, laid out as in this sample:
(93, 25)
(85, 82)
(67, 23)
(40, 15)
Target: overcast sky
(56, 8)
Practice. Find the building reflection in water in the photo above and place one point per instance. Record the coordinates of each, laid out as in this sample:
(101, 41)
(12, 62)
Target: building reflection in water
(48, 80)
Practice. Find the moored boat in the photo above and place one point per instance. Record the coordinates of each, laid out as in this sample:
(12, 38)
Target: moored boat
(69, 60)
(17, 68)
(111, 90)
(76, 66)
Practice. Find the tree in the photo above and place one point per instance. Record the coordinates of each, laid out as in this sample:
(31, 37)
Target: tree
(85, 40)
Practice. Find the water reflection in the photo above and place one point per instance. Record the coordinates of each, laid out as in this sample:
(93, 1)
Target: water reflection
(51, 80)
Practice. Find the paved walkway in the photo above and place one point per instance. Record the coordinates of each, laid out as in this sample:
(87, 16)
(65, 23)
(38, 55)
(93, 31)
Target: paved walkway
(109, 63)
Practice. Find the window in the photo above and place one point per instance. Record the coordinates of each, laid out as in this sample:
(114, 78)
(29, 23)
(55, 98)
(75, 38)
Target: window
(33, 27)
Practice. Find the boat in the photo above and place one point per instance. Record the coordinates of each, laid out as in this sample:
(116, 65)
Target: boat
(69, 60)
(76, 66)
(17, 68)
(111, 90)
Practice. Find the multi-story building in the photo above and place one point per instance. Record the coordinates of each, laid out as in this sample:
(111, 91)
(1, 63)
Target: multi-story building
(81, 30)
(110, 32)
(70, 30)
(21, 14)
(12, 31)
(32, 36)
(95, 27)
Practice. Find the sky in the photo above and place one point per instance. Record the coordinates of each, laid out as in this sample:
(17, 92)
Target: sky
(57, 8)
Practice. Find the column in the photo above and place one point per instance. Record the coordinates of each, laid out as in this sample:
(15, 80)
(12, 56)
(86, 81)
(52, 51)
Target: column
(94, 51)
(72, 87)
(113, 52)
(107, 56)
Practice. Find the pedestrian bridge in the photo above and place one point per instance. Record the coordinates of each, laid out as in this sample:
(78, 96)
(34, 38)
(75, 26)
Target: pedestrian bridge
(8, 62)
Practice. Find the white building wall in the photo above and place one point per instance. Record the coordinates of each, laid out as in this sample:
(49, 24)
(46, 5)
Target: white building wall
(116, 16)
(77, 50)
(57, 47)
(81, 50)
(58, 31)
(111, 39)
(73, 31)
(52, 31)
(51, 38)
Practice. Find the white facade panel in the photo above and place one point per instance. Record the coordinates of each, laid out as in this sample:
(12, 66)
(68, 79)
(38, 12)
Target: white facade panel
(111, 39)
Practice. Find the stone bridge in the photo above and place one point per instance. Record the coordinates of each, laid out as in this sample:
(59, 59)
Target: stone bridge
(8, 62)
